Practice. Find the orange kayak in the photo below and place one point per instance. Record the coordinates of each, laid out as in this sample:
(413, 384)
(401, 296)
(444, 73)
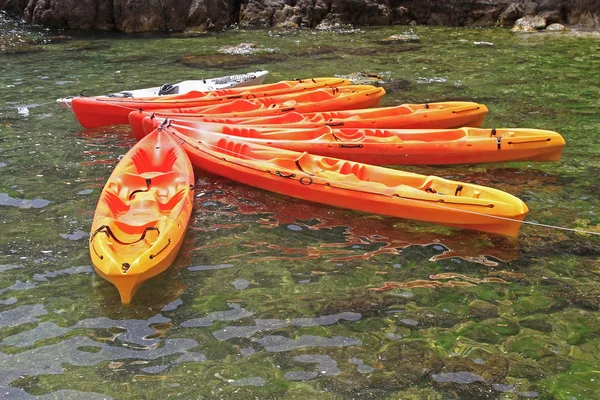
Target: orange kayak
(142, 213)
(442, 115)
(356, 186)
(397, 146)
(92, 112)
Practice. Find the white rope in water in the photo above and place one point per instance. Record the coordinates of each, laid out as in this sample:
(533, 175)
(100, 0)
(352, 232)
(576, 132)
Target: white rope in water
(357, 187)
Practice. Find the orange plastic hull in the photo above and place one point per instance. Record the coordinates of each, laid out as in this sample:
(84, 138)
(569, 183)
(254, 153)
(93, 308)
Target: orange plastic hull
(92, 112)
(398, 146)
(414, 116)
(356, 186)
(142, 213)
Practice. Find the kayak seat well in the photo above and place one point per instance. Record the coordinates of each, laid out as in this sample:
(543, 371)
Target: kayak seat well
(317, 165)
(160, 162)
(127, 184)
(240, 131)
(236, 149)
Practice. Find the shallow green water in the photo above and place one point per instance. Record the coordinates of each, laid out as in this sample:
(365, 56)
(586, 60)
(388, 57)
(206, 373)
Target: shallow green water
(271, 297)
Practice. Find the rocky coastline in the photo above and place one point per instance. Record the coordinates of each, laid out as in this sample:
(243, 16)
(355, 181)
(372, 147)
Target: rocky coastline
(207, 15)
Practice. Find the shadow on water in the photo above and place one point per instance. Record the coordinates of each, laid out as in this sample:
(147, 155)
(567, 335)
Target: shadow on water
(340, 235)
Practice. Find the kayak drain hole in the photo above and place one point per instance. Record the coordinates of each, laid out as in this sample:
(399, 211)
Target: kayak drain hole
(125, 267)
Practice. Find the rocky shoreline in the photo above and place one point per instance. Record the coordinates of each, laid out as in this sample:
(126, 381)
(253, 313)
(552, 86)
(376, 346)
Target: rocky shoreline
(205, 15)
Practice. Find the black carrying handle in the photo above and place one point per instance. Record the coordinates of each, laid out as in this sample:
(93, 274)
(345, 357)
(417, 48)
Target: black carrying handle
(106, 230)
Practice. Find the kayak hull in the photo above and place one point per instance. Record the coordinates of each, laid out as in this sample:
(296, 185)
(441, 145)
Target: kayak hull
(202, 85)
(397, 146)
(142, 214)
(408, 116)
(93, 112)
(357, 186)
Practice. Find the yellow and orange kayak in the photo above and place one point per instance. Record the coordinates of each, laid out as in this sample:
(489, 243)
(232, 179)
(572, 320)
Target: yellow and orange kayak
(357, 186)
(142, 213)
(397, 146)
(92, 112)
(442, 115)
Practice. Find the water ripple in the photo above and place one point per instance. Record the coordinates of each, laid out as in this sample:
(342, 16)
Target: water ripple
(276, 343)
(44, 330)
(327, 365)
(136, 331)
(263, 325)
(21, 315)
(231, 315)
(84, 269)
(49, 360)
(6, 200)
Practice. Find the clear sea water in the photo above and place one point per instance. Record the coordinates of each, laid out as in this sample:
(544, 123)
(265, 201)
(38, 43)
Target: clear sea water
(270, 297)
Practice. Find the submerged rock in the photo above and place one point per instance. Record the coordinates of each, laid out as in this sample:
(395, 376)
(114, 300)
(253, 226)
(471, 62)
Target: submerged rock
(15, 44)
(241, 49)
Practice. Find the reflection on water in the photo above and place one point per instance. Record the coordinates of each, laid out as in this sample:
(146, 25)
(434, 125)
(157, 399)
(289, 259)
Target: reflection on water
(272, 297)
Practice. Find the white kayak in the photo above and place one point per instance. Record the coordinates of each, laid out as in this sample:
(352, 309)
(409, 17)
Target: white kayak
(201, 85)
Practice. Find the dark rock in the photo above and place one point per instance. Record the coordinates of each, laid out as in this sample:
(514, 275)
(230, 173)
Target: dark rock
(201, 15)
(511, 14)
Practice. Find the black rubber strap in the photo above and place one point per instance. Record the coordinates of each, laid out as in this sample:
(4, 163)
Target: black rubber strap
(106, 230)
